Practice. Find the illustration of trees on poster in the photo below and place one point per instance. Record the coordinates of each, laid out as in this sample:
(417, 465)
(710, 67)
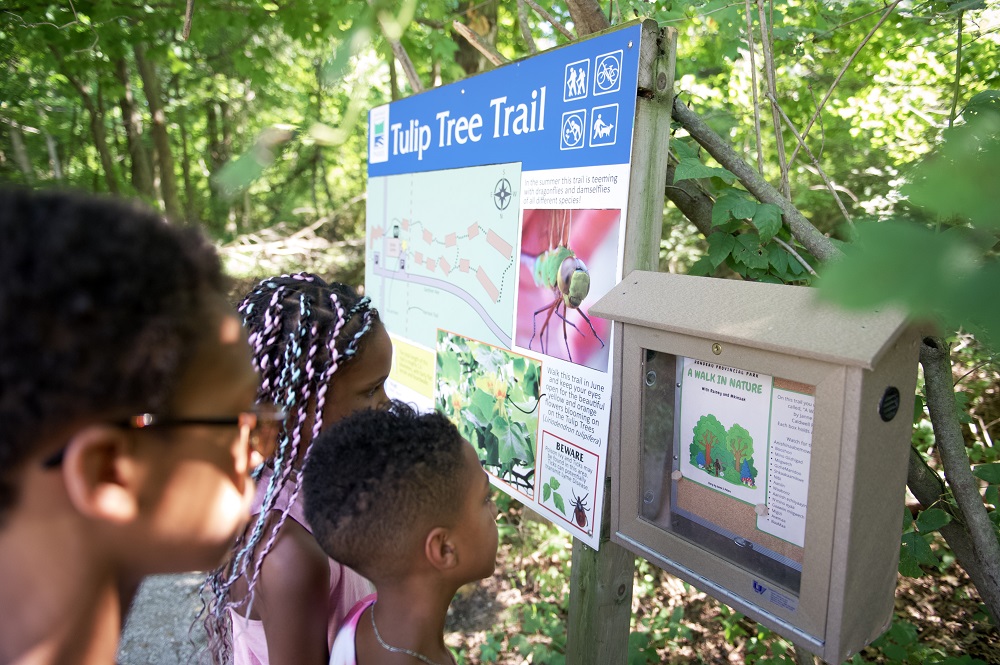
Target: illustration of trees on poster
(740, 444)
(725, 454)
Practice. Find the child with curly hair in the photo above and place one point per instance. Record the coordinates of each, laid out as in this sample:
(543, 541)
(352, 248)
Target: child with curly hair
(322, 353)
(402, 498)
(128, 417)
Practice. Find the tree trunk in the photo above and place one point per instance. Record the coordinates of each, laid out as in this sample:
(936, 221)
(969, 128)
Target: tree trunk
(226, 150)
(587, 16)
(142, 172)
(984, 554)
(97, 130)
(53, 148)
(214, 140)
(225, 154)
(393, 81)
(481, 18)
(21, 153)
(50, 144)
(189, 193)
(218, 205)
(161, 139)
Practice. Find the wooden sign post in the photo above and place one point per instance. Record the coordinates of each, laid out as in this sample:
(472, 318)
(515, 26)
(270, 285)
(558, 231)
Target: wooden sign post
(600, 606)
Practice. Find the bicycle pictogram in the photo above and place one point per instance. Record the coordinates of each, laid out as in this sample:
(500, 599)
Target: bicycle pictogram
(607, 73)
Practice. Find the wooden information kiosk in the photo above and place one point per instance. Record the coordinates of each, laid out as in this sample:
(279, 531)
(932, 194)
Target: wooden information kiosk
(762, 449)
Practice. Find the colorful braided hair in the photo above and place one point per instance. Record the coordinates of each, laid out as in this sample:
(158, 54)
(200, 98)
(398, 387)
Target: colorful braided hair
(301, 331)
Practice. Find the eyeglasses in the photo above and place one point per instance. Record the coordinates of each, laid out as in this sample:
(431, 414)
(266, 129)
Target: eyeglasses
(259, 428)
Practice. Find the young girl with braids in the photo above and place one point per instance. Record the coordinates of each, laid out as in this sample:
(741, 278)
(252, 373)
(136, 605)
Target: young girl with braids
(322, 353)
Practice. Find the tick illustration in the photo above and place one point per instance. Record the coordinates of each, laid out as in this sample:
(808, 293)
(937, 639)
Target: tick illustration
(580, 509)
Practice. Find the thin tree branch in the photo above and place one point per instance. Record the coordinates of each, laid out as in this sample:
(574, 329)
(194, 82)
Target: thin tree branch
(434, 25)
(798, 257)
(802, 229)
(940, 391)
(822, 126)
(753, 78)
(408, 69)
(402, 56)
(479, 44)
(553, 21)
(829, 184)
(188, 16)
(522, 20)
(772, 91)
(836, 81)
(958, 71)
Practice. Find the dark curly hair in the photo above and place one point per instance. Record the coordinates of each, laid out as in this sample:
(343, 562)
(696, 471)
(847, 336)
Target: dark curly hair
(101, 304)
(375, 477)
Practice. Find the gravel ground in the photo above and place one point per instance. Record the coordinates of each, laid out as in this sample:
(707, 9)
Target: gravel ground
(158, 630)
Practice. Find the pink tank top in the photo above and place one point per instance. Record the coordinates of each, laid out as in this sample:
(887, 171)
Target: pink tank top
(346, 588)
(344, 650)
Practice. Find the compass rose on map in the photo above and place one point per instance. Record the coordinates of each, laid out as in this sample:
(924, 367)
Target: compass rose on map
(502, 194)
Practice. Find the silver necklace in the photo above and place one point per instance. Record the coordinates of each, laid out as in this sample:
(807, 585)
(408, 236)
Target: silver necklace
(388, 647)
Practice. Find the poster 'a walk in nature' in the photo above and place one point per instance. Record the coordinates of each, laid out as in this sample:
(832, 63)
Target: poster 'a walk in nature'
(495, 218)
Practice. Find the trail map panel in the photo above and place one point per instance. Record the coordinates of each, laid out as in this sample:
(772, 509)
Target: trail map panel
(450, 266)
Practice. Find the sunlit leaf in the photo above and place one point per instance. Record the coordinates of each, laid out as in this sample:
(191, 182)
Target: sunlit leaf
(958, 180)
(511, 442)
(240, 173)
(691, 168)
(482, 404)
(448, 367)
(940, 275)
